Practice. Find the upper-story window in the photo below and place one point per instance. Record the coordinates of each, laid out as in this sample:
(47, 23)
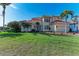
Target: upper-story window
(46, 20)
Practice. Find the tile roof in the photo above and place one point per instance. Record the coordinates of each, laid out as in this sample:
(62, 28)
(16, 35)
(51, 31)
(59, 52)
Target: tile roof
(36, 19)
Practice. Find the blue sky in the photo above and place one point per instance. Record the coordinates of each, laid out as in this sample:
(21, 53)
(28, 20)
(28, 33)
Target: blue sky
(26, 11)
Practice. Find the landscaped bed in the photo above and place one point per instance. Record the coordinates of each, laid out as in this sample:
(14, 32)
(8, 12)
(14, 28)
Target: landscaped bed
(38, 44)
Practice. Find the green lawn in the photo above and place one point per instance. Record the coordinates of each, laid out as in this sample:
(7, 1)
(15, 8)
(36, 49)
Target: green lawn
(36, 44)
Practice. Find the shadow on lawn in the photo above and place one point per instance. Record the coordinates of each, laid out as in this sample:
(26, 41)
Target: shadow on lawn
(43, 33)
(10, 35)
(47, 34)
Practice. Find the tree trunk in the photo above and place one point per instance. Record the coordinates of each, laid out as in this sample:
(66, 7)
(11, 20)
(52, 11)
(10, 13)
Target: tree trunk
(4, 7)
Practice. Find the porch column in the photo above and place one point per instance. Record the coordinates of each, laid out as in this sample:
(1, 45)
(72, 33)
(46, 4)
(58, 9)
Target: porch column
(42, 24)
(78, 26)
(55, 28)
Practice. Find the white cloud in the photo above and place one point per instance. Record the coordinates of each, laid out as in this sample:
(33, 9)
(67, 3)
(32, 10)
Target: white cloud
(1, 10)
(1, 21)
(13, 6)
(1, 18)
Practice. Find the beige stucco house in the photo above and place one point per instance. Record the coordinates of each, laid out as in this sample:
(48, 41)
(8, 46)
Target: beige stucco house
(49, 23)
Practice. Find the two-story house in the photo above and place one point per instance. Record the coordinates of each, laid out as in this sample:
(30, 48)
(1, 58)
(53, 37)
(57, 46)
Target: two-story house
(49, 23)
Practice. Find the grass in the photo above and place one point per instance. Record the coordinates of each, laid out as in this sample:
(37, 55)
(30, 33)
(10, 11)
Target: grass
(38, 44)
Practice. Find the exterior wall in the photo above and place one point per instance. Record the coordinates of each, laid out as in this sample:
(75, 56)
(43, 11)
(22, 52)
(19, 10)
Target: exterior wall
(78, 26)
(54, 26)
(45, 24)
(34, 26)
(54, 18)
(60, 27)
(25, 29)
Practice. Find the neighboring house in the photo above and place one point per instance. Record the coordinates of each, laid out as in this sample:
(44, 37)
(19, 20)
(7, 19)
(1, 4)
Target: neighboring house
(59, 26)
(25, 29)
(47, 23)
(74, 26)
(54, 24)
(34, 25)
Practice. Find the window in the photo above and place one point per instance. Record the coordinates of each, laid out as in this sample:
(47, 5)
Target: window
(46, 27)
(46, 20)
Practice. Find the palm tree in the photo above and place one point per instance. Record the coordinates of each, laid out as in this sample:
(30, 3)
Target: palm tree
(3, 12)
(37, 25)
(65, 15)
